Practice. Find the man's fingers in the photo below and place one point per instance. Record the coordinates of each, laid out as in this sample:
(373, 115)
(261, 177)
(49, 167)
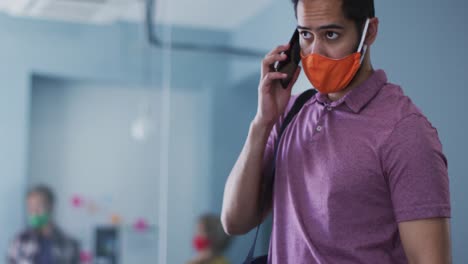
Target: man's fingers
(278, 49)
(272, 57)
(270, 60)
(272, 76)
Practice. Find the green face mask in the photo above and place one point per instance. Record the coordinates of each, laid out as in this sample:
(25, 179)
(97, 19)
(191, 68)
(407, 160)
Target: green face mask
(38, 221)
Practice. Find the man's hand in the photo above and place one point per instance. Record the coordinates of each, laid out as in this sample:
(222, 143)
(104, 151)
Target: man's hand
(272, 98)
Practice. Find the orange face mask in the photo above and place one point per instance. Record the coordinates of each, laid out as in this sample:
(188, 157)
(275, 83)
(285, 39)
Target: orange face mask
(333, 75)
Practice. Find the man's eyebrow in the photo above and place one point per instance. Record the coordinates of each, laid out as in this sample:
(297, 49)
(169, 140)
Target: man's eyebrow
(330, 26)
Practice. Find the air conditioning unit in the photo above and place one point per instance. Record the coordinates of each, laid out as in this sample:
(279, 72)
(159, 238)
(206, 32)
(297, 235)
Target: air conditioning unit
(85, 11)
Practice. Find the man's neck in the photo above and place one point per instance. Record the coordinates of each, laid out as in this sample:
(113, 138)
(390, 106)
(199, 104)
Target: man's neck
(46, 231)
(362, 75)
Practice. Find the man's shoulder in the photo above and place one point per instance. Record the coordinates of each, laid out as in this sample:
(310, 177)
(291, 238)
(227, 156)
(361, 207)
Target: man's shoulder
(24, 235)
(65, 238)
(23, 242)
(394, 105)
(219, 260)
(397, 111)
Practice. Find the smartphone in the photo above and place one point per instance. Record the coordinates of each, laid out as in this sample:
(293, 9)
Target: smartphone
(289, 66)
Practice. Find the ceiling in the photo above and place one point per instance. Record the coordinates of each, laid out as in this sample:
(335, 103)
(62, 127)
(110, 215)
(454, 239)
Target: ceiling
(212, 14)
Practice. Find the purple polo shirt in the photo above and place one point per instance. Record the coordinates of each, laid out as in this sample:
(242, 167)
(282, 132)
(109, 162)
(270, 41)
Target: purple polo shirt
(349, 171)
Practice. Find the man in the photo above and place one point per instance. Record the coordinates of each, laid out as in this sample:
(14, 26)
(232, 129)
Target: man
(42, 242)
(360, 173)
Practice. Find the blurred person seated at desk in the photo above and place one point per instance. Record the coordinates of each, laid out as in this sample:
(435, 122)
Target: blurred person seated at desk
(210, 241)
(42, 242)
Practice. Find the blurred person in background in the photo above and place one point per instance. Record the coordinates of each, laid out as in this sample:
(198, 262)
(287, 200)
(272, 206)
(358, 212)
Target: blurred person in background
(42, 242)
(209, 241)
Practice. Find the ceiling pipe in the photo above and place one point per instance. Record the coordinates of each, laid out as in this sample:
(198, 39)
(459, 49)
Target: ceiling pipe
(156, 42)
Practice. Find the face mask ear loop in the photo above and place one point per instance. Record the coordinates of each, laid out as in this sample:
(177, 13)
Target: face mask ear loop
(363, 35)
(363, 53)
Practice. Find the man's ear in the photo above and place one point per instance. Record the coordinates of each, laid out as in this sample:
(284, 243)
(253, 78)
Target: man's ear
(372, 31)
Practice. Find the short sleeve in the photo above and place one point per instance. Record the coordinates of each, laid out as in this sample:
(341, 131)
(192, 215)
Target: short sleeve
(416, 170)
(269, 151)
(273, 137)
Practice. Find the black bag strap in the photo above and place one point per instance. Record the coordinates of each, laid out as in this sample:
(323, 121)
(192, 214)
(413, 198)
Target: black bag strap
(269, 181)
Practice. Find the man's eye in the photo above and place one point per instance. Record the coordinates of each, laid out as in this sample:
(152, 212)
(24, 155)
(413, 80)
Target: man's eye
(332, 35)
(306, 35)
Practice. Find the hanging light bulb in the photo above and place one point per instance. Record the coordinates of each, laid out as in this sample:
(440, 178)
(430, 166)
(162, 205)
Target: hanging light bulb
(142, 126)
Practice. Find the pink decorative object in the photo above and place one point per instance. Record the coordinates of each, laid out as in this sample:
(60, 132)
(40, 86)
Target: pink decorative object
(86, 257)
(77, 201)
(141, 225)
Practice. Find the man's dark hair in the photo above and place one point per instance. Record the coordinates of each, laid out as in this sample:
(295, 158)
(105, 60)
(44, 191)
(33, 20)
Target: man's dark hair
(355, 10)
(46, 193)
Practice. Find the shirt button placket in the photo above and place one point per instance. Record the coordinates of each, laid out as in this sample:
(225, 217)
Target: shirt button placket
(319, 127)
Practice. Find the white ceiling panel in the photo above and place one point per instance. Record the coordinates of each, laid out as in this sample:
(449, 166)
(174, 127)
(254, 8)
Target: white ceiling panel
(214, 14)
